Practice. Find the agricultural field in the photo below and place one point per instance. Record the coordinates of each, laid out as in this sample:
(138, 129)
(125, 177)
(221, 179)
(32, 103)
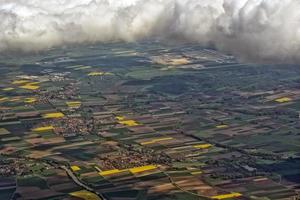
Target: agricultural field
(148, 121)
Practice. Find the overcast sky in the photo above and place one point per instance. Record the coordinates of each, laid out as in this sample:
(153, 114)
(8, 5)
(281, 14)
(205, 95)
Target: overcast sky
(254, 30)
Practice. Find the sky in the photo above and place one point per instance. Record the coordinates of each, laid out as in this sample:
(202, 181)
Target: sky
(252, 30)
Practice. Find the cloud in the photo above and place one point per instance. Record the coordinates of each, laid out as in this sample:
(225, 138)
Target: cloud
(254, 30)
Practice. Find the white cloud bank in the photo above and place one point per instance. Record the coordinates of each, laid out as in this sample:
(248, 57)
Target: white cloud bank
(257, 30)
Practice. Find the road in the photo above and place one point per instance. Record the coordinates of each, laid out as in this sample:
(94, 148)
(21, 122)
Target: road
(78, 182)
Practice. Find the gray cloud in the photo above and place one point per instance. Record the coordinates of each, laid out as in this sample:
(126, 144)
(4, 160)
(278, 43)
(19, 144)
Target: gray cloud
(255, 30)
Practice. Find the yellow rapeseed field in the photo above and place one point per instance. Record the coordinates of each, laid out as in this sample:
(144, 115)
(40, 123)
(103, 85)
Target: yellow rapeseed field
(43, 129)
(283, 100)
(73, 104)
(196, 172)
(31, 86)
(227, 196)
(53, 115)
(30, 100)
(202, 146)
(129, 123)
(142, 169)
(131, 170)
(120, 118)
(85, 195)
(75, 168)
(110, 172)
(222, 126)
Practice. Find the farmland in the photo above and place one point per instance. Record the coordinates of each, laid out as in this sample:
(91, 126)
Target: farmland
(148, 121)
